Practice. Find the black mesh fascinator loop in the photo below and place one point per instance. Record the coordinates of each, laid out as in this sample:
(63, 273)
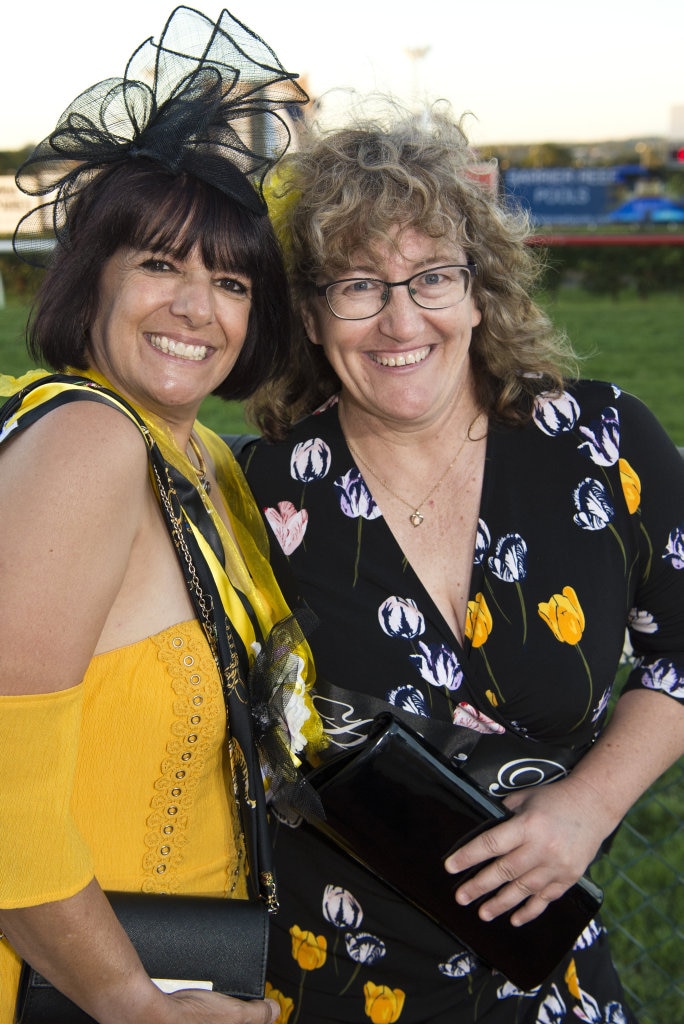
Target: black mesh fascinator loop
(203, 100)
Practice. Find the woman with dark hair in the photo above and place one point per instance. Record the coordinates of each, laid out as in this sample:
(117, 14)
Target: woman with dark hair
(475, 528)
(144, 206)
(138, 599)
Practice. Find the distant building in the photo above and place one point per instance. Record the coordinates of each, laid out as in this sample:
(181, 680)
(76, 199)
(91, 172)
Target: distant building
(13, 204)
(677, 122)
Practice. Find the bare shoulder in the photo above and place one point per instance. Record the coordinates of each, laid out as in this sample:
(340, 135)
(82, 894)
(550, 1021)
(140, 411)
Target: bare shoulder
(83, 419)
(74, 486)
(74, 500)
(77, 445)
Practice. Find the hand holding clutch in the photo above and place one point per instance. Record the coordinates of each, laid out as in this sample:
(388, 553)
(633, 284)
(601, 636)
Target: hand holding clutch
(396, 807)
(534, 856)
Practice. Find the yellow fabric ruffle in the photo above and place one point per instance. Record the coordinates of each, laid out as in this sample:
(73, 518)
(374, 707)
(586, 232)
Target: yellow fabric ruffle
(39, 742)
(10, 385)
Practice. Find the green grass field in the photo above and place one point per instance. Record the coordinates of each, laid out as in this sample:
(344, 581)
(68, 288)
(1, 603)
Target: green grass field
(635, 343)
(639, 345)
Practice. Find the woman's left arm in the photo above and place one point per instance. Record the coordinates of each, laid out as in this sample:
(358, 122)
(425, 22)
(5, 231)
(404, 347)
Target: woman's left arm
(557, 829)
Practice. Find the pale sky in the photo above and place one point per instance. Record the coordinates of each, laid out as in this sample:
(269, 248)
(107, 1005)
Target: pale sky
(528, 70)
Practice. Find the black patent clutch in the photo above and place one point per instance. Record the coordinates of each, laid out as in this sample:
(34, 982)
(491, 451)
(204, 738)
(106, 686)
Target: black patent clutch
(183, 942)
(399, 809)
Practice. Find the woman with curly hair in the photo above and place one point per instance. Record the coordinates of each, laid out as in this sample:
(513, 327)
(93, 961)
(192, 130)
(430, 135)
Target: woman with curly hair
(475, 529)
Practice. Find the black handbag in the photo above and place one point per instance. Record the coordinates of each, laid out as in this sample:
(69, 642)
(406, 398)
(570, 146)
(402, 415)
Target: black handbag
(400, 808)
(183, 942)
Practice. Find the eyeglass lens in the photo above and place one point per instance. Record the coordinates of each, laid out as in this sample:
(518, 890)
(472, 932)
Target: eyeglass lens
(361, 297)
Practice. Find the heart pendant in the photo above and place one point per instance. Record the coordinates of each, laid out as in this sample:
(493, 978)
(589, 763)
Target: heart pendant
(416, 518)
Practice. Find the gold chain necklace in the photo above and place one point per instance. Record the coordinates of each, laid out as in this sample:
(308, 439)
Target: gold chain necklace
(201, 468)
(416, 517)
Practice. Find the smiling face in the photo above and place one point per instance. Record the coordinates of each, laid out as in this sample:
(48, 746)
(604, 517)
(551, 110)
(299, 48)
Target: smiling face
(168, 330)
(407, 366)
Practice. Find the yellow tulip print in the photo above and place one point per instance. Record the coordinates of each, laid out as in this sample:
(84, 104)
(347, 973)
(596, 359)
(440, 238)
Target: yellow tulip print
(383, 1004)
(478, 626)
(563, 614)
(631, 488)
(479, 621)
(309, 950)
(571, 980)
(284, 1002)
(631, 485)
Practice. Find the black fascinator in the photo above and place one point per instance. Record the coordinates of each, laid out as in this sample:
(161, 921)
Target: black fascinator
(204, 100)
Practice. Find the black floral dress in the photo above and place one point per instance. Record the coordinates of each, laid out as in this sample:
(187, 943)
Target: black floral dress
(581, 532)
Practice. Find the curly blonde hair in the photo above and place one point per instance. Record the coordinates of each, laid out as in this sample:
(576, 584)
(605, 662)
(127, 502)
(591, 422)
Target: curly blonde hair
(347, 190)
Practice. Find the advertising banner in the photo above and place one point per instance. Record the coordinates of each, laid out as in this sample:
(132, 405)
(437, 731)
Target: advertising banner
(564, 195)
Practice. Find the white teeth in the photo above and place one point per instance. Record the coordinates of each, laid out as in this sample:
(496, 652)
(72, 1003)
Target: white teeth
(406, 360)
(176, 348)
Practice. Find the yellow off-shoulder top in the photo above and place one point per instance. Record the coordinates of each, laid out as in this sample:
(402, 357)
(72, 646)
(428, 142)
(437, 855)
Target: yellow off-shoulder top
(139, 743)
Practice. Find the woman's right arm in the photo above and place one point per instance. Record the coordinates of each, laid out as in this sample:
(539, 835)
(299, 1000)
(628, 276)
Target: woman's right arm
(80, 946)
(73, 489)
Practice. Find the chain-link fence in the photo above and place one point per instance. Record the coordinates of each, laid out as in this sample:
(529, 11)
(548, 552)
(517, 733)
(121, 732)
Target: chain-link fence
(644, 901)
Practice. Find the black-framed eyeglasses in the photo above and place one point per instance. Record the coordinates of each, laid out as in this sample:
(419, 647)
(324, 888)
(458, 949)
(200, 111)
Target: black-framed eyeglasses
(358, 298)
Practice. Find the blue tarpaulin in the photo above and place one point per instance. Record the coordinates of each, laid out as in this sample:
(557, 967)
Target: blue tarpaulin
(648, 210)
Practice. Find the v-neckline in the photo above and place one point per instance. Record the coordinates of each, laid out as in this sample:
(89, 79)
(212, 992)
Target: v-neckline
(477, 572)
